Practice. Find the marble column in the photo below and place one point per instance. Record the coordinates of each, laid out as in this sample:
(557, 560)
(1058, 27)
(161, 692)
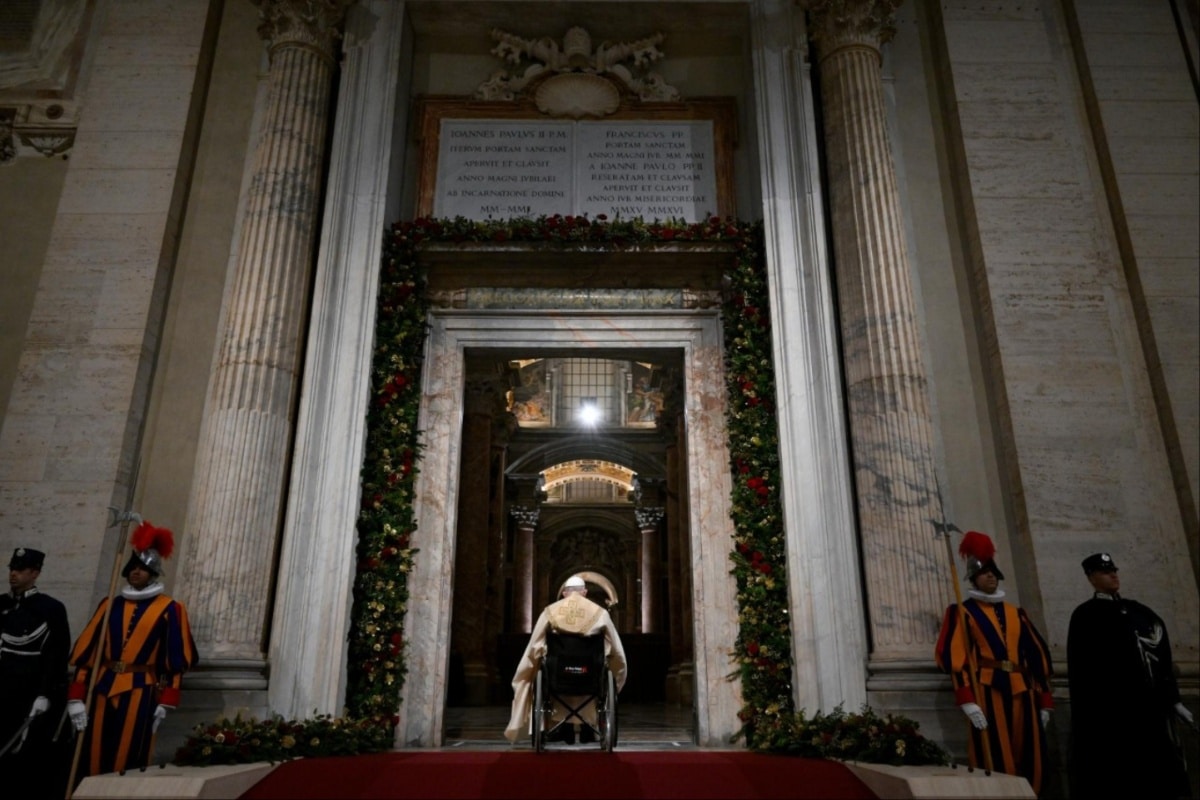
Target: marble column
(890, 420)
(648, 520)
(312, 607)
(236, 504)
(526, 519)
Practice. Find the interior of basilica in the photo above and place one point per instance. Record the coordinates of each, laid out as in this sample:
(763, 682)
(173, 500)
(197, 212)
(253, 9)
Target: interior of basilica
(571, 466)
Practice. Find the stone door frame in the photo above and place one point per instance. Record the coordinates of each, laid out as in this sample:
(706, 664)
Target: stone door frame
(451, 332)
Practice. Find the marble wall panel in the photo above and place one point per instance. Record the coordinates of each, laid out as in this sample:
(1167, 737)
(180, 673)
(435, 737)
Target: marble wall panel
(1021, 41)
(159, 104)
(1003, 165)
(82, 399)
(1163, 155)
(1170, 232)
(1069, 352)
(1125, 82)
(24, 450)
(120, 191)
(1172, 194)
(113, 148)
(1133, 119)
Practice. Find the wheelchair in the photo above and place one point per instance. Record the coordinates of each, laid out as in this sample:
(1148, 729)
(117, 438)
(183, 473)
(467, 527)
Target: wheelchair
(574, 673)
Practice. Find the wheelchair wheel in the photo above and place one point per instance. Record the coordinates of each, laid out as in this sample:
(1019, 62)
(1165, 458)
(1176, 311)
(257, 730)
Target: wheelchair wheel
(608, 714)
(537, 716)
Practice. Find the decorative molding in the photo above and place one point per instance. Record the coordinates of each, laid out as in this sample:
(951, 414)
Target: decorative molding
(574, 80)
(29, 129)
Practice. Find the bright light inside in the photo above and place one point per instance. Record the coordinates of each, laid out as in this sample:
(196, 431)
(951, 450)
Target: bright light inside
(589, 413)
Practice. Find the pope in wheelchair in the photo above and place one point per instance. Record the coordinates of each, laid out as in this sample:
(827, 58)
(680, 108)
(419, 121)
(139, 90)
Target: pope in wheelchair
(568, 679)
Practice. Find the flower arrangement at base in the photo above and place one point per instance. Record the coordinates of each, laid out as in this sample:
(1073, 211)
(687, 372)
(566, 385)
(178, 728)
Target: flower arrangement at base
(249, 740)
(864, 736)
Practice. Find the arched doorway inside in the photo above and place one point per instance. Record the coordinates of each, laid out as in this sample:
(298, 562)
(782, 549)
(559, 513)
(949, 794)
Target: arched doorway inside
(570, 461)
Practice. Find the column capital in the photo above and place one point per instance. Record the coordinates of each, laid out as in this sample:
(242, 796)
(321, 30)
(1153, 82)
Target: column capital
(525, 516)
(648, 517)
(835, 24)
(311, 24)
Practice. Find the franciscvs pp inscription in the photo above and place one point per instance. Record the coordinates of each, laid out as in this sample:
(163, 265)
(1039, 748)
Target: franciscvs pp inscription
(517, 168)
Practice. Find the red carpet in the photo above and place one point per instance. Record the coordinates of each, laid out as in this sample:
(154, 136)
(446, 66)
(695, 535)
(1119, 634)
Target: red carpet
(577, 775)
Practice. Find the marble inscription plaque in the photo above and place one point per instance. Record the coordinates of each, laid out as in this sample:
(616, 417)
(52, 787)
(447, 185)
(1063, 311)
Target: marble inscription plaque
(503, 168)
(652, 170)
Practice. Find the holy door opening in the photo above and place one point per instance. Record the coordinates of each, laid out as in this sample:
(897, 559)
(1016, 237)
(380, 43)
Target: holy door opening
(573, 463)
(465, 382)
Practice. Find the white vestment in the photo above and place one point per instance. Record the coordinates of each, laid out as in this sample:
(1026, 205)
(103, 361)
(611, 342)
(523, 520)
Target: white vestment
(573, 614)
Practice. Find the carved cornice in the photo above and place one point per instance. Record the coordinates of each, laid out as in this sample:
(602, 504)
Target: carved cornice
(837, 24)
(310, 24)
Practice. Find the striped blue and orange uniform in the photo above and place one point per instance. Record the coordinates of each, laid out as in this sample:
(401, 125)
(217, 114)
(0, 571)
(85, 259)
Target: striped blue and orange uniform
(1013, 672)
(145, 649)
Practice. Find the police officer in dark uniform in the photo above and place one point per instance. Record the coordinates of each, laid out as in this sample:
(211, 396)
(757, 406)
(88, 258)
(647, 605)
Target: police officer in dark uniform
(34, 643)
(1124, 698)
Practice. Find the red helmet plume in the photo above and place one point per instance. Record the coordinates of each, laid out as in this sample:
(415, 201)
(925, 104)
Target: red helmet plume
(978, 546)
(148, 537)
(978, 550)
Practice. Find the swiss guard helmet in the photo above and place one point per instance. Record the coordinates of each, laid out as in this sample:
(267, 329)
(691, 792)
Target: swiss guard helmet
(151, 546)
(978, 550)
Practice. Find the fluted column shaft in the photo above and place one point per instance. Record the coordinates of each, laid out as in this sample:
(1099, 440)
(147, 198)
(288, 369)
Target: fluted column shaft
(890, 420)
(242, 463)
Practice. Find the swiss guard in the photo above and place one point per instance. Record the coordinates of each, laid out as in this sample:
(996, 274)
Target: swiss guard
(1000, 669)
(129, 662)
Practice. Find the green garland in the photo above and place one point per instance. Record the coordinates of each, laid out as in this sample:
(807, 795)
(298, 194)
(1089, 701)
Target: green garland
(762, 650)
(764, 641)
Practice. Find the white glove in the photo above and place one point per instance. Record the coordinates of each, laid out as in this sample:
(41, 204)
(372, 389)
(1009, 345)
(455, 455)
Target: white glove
(975, 714)
(1045, 715)
(1184, 714)
(160, 714)
(78, 713)
(40, 706)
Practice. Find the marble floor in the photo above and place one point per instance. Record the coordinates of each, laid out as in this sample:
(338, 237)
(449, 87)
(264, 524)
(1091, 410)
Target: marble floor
(650, 726)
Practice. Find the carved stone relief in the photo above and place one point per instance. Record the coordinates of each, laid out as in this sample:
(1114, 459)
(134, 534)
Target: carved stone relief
(576, 80)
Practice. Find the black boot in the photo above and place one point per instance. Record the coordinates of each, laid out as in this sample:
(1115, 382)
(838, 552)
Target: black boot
(586, 734)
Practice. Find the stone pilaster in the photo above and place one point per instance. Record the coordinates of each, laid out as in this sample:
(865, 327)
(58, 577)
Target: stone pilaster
(890, 420)
(236, 503)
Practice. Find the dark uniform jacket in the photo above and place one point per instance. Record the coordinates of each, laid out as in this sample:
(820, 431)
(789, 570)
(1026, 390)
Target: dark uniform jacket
(34, 642)
(1123, 693)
